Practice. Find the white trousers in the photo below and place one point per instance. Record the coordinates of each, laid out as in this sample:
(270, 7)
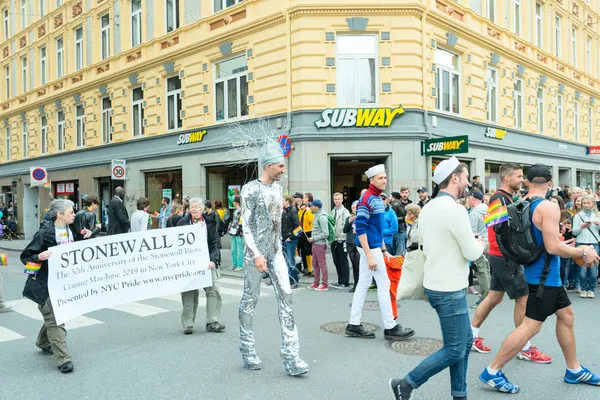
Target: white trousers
(383, 289)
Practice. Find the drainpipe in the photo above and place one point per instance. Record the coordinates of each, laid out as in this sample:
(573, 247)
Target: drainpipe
(287, 128)
(425, 71)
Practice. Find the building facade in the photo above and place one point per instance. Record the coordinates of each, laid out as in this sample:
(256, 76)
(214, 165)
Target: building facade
(158, 83)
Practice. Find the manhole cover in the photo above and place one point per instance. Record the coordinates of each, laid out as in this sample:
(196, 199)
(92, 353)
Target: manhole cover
(415, 346)
(340, 327)
(372, 305)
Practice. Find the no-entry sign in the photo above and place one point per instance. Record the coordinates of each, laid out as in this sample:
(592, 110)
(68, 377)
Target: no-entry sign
(118, 169)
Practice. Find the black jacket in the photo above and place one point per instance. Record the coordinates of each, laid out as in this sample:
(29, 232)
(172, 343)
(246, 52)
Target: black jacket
(398, 208)
(212, 235)
(173, 221)
(86, 219)
(350, 235)
(289, 222)
(36, 287)
(118, 218)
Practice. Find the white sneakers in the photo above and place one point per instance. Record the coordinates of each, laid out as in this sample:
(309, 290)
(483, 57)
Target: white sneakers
(587, 294)
(7, 307)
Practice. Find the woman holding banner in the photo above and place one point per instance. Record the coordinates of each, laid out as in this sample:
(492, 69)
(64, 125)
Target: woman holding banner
(213, 296)
(59, 231)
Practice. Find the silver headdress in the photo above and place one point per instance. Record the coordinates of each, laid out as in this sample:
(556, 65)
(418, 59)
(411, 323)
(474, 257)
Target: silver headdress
(254, 140)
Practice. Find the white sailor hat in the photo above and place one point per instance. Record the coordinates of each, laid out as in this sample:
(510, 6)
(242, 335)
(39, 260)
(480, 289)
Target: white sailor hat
(444, 169)
(374, 170)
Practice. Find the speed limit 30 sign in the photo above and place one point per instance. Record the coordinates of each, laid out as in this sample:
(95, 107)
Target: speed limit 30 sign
(118, 169)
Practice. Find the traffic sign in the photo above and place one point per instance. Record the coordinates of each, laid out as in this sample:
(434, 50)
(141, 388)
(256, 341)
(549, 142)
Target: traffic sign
(38, 176)
(119, 170)
(286, 145)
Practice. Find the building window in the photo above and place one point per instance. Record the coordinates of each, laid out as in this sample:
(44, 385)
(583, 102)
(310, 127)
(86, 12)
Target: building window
(220, 5)
(24, 73)
(172, 15)
(7, 81)
(43, 65)
(138, 111)
(80, 125)
(105, 36)
(6, 17)
(78, 49)
(491, 10)
(538, 24)
(518, 104)
(492, 94)
(23, 14)
(7, 141)
(231, 88)
(357, 70)
(540, 110)
(59, 57)
(591, 124)
(576, 120)
(59, 3)
(447, 81)
(136, 22)
(517, 17)
(60, 130)
(44, 135)
(106, 120)
(574, 46)
(173, 103)
(25, 141)
(588, 55)
(42, 8)
(559, 115)
(557, 23)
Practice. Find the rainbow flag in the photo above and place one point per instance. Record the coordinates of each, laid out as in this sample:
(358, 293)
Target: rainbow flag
(3, 259)
(408, 222)
(498, 216)
(47, 184)
(571, 213)
(297, 231)
(496, 204)
(32, 268)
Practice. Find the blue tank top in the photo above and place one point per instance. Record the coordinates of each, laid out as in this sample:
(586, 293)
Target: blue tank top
(533, 272)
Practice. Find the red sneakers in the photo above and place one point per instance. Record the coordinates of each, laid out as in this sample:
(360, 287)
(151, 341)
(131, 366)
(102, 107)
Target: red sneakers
(312, 287)
(534, 355)
(479, 347)
(322, 287)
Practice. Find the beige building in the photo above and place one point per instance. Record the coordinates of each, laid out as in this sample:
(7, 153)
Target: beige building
(156, 83)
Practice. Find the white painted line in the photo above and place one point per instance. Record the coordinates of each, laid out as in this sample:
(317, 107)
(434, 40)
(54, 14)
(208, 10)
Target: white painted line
(28, 308)
(81, 322)
(139, 309)
(8, 335)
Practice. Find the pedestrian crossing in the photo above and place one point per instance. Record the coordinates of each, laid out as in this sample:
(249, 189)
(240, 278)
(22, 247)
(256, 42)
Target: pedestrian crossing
(25, 311)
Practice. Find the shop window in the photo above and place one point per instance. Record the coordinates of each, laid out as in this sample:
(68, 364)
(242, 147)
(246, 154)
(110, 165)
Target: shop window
(107, 121)
(220, 5)
(163, 184)
(7, 141)
(223, 183)
(357, 70)
(576, 120)
(231, 88)
(78, 48)
(25, 141)
(80, 125)
(60, 130)
(584, 179)
(137, 108)
(492, 94)
(105, 36)
(518, 102)
(24, 73)
(447, 81)
(44, 135)
(60, 52)
(43, 67)
(492, 177)
(172, 15)
(136, 22)
(559, 115)
(7, 81)
(558, 38)
(174, 103)
(540, 110)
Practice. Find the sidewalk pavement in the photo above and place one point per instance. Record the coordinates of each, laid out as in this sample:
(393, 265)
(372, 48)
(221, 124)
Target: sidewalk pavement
(13, 245)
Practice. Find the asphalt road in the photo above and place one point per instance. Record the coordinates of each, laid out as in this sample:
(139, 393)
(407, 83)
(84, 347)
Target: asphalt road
(139, 352)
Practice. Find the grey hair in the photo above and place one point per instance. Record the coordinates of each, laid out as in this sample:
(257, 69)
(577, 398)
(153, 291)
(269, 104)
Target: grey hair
(59, 206)
(199, 201)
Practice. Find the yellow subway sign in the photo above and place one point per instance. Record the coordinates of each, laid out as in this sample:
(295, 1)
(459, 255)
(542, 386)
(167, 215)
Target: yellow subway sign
(449, 145)
(358, 117)
(192, 137)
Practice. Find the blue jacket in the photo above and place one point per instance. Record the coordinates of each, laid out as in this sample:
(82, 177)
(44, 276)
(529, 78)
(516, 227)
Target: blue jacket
(390, 225)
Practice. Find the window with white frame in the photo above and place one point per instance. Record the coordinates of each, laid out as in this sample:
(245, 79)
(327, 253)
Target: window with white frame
(517, 17)
(172, 15)
(558, 38)
(7, 82)
(574, 47)
(559, 115)
(23, 14)
(231, 88)
(137, 108)
(78, 48)
(538, 24)
(24, 74)
(25, 139)
(220, 5)
(43, 66)
(518, 102)
(105, 36)
(6, 18)
(106, 120)
(591, 124)
(42, 8)
(357, 70)
(492, 94)
(588, 55)
(60, 130)
(576, 119)
(174, 103)
(447, 81)
(44, 135)
(80, 125)
(540, 110)
(7, 142)
(136, 22)
(60, 54)
(491, 10)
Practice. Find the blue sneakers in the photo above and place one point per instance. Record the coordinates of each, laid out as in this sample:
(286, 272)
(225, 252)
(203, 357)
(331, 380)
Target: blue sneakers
(498, 382)
(584, 376)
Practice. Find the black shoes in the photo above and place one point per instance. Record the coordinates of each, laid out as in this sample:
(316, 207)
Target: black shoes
(359, 331)
(215, 327)
(400, 389)
(188, 330)
(66, 367)
(47, 351)
(352, 289)
(398, 333)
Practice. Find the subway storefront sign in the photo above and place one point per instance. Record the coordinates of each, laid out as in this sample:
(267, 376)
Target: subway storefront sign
(358, 117)
(449, 145)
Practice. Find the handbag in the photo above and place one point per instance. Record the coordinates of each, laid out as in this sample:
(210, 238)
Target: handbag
(411, 281)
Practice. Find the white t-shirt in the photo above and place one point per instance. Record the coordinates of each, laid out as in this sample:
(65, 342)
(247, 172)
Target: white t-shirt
(63, 235)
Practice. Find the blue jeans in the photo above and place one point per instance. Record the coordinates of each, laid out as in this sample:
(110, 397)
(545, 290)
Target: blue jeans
(289, 249)
(572, 271)
(400, 243)
(453, 312)
(589, 275)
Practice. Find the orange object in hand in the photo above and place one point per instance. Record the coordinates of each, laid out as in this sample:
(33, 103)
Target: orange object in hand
(394, 270)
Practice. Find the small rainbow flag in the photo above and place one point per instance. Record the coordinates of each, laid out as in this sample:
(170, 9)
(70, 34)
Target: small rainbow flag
(3, 259)
(47, 184)
(571, 213)
(32, 268)
(409, 222)
(498, 216)
(496, 204)
(297, 231)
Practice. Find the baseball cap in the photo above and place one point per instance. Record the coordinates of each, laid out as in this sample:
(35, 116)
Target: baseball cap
(298, 195)
(396, 195)
(539, 173)
(477, 194)
(316, 203)
(383, 195)
(422, 189)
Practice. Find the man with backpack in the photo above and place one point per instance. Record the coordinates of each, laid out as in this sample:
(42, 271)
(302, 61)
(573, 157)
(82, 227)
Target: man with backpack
(507, 277)
(319, 238)
(532, 238)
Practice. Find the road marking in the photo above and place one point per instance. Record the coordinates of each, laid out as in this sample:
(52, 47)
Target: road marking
(139, 309)
(7, 335)
(81, 322)
(27, 308)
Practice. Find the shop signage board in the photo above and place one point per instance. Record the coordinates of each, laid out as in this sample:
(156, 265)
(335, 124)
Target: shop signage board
(192, 137)
(593, 150)
(494, 133)
(358, 117)
(118, 169)
(441, 146)
(65, 188)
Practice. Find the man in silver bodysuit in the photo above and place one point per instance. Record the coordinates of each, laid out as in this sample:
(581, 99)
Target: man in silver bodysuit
(261, 215)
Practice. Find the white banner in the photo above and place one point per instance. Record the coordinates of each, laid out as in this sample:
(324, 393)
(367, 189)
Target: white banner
(104, 272)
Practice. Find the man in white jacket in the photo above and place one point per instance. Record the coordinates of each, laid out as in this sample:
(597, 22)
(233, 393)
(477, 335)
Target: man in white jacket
(448, 244)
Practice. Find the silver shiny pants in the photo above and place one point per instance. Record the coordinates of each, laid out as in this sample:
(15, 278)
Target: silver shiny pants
(278, 272)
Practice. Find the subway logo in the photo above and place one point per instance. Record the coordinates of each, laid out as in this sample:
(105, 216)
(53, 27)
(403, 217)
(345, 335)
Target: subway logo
(445, 146)
(192, 137)
(358, 117)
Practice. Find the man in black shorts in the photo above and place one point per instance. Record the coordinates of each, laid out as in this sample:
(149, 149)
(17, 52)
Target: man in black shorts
(506, 276)
(554, 299)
